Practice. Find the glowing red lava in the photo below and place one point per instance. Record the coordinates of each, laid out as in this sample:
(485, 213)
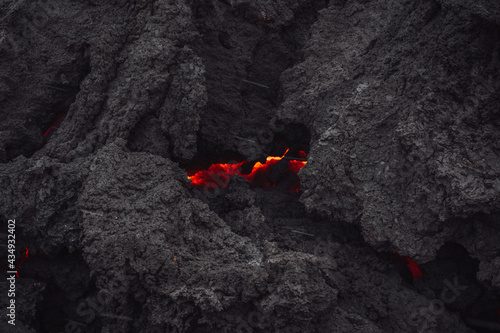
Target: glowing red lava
(55, 124)
(411, 264)
(218, 175)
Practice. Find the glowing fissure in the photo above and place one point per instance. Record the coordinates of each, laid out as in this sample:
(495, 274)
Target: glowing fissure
(218, 175)
(56, 123)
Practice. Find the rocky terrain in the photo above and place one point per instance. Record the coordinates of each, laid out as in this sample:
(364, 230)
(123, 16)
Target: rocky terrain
(106, 106)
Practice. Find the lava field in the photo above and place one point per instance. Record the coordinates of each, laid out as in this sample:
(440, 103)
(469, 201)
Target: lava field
(288, 166)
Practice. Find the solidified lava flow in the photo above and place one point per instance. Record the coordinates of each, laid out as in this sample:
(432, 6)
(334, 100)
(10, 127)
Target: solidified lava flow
(218, 175)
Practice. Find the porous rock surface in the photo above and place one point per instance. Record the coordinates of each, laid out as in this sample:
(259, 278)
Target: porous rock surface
(404, 144)
(402, 100)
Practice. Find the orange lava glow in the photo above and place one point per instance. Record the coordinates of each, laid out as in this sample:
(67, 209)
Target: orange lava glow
(218, 175)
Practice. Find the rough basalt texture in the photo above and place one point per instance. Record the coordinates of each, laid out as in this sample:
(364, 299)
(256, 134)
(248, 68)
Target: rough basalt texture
(402, 100)
(399, 100)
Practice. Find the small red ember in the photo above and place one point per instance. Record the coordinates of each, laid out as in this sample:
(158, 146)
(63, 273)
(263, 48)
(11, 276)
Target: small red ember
(411, 264)
(218, 175)
(19, 263)
(55, 124)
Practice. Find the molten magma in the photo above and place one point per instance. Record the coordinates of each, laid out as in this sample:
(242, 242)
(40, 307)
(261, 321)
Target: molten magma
(218, 175)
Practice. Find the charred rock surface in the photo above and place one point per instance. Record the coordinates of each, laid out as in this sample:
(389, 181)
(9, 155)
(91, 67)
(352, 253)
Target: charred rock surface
(402, 102)
(105, 104)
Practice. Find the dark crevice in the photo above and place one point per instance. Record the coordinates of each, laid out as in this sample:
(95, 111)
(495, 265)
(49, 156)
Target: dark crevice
(271, 141)
(450, 279)
(244, 53)
(42, 122)
(209, 153)
(65, 281)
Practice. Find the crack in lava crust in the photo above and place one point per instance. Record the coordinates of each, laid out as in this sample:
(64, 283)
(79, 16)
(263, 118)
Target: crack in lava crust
(267, 175)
